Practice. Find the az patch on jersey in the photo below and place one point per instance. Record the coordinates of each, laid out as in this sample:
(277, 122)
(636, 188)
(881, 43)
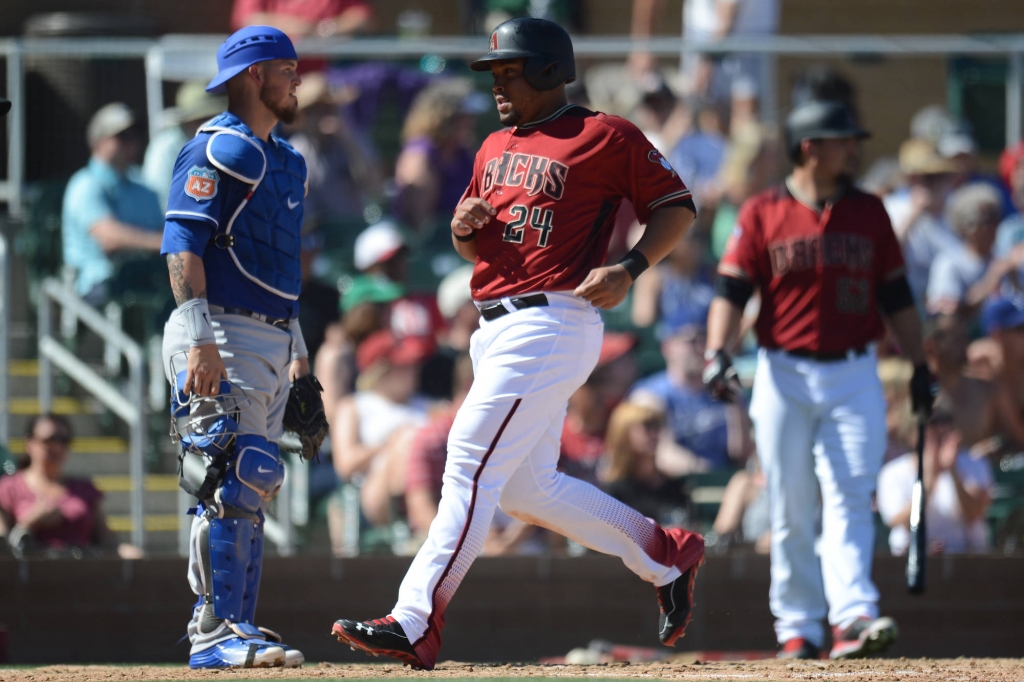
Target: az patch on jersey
(202, 183)
(654, 156)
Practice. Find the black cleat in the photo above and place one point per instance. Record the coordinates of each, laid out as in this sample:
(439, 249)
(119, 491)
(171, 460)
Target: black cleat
(676, 602)
(379, 636)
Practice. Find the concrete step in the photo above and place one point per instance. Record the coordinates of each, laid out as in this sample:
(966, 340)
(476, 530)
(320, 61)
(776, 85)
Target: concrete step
(154, 523)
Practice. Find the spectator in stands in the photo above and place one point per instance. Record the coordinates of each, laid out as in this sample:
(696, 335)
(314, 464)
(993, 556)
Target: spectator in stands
(299, 18)
(1011, 230)
(743, 514)
(741, 79)
(586, 418)
(917, 213)
(380, 251)
(429, 452)
(703, 434)
(436, 161)
(958, 145)
(565, 13)
(43, 511)
(1003, 319)
(108, 216)
(319, 303)
(677, 291)
(342, 167)
(945, 347)
(365, 304)
(462, 318)
(697, 156)
(900, 425)
(961, 278)
(659, 115)
(958, 490)
(629, 473)
(749, 167)
(385, 399)
(193, 106)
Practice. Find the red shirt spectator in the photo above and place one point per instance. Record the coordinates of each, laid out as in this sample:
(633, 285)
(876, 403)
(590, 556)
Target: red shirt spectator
(76, 508)
(297, 18)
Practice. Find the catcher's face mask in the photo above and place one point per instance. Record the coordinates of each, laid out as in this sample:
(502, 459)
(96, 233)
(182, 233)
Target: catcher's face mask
(206, 425)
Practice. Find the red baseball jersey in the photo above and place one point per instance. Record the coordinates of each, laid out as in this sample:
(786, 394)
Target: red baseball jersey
(818, 272)
(556, 185)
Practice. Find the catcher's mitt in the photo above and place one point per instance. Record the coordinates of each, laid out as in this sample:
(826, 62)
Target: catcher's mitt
(304, 414)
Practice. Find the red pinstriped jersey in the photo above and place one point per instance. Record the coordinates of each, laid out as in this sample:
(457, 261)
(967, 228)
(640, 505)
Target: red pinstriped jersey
(818, 271)
(556, 185)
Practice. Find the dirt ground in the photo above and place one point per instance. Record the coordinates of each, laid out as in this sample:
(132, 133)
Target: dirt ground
(878, 670)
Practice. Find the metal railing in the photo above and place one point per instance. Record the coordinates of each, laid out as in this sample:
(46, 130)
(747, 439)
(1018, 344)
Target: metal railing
(5, 331)
(132, 409)
(183, 57)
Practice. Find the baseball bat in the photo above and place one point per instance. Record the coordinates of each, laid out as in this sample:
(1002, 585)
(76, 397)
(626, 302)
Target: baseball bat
(917, 554)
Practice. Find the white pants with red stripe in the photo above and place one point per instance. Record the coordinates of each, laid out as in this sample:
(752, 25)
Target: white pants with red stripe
(502, 451)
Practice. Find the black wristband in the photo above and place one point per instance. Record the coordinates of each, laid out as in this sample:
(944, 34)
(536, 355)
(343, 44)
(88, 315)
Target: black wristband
(468, 238)
(635, 263)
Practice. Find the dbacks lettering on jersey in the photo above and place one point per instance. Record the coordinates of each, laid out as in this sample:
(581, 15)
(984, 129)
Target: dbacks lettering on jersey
(534, 173)
(833, 250)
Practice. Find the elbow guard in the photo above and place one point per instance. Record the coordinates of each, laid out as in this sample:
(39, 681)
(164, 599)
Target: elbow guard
(736, 291)
(895, 295)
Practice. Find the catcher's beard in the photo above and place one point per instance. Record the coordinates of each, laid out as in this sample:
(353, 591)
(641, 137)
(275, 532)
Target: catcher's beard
(284, 113)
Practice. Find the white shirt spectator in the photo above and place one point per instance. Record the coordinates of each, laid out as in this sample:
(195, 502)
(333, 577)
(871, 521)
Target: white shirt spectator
(943, 518)
(926, 239)
(753, 17)
(952, 273)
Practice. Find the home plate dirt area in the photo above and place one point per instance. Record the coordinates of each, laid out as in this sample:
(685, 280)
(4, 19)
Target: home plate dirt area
(874, 670)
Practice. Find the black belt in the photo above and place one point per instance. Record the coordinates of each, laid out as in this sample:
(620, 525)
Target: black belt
(495, 310)
(826, 357)
(279, 322)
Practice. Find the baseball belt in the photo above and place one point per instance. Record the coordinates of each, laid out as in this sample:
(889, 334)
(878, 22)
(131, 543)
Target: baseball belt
(819, 356)
(279, 322)
(492, 311)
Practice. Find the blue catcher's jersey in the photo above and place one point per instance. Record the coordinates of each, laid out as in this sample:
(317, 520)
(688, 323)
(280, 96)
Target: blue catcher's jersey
(237, 202)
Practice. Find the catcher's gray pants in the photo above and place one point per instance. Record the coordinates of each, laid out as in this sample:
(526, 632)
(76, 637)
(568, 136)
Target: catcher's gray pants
(257, 357)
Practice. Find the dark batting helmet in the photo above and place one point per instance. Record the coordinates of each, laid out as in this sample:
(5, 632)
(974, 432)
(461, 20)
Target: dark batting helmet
(817, 120)
(544, 45)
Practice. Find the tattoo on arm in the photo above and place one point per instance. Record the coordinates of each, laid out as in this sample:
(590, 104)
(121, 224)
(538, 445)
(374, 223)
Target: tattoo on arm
(179, 282)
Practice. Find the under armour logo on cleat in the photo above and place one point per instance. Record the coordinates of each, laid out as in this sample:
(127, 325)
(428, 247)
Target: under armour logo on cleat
(365, 628)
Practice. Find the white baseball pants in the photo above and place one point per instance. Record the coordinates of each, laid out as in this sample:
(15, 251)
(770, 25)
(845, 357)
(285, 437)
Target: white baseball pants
(502, 451)
(820, 432)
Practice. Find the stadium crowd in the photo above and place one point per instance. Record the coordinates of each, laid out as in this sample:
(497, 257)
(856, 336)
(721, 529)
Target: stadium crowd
(387, 313)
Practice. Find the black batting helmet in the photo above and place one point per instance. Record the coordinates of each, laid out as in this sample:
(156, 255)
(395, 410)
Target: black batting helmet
(817, 120)
(544, 45)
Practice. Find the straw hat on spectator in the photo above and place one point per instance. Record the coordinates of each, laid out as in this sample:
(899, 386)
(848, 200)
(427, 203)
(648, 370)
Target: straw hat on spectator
(109, 121)
(453, 292)
(194, 103)
(919, 156)
(315, 89)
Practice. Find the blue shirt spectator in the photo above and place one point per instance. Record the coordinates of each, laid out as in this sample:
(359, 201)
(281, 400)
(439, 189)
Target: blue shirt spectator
(107, 213)
(703, 434)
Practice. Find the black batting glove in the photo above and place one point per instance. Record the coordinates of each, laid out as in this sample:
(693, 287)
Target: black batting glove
(922, 391)
(720, 376)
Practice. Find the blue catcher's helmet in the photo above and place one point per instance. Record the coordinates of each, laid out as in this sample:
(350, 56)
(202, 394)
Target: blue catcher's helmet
(206, 425)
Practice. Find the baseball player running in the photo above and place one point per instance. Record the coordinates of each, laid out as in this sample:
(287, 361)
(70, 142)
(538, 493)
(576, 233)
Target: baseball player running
(233, 349)
(535, 221)
(828, 267)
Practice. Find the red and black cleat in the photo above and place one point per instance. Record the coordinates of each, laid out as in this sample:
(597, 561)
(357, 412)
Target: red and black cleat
(379, 636)
(676, 602)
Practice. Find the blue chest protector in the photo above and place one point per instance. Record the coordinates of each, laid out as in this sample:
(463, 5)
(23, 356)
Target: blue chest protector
(264, 233)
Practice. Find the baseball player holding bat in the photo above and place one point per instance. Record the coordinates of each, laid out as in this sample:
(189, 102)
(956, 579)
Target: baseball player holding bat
(233, 349)
(535, 221)
(828, 267)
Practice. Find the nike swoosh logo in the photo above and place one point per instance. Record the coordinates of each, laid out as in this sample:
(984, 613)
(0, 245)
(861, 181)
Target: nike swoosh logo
(290, 204)
(263, 471)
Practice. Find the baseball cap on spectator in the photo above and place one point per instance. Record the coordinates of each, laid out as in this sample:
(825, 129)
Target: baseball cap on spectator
(1003, 312)
(931, 123)
(1008, 162)
(109, 121)
(956, 142)
(919, 156)
(370, 289)
(377, 244)
(384, 346)
(453, 292)
(614, 345)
